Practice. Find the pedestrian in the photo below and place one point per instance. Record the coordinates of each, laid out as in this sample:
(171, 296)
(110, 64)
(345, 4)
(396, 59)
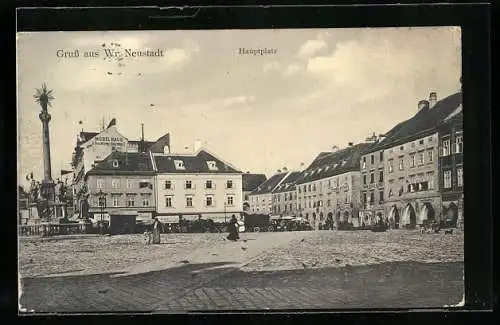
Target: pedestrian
(156, 231)
(233, 229)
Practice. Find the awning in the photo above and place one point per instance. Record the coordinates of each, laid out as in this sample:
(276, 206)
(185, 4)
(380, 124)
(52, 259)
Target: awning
(168, 219)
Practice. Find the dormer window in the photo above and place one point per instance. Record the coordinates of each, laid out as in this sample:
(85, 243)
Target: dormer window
(212, 165)
(179, 164)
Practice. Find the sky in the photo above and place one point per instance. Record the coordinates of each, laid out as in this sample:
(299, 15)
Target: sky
(316, 89)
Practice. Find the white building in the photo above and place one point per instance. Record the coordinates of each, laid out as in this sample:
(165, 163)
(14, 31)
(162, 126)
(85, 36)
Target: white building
(94, 147)
(199, 184)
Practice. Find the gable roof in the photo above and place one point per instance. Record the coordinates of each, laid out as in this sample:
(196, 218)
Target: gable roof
(288, 184)
(158, 145)
(333, 163)
(251, 181)
(425, 120)
(269, 185)
(193, 164)
(128, 163)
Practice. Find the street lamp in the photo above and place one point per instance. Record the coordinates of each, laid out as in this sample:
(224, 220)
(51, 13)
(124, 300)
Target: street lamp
(225, 212)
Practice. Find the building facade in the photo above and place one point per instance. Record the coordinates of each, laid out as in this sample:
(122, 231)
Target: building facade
(122, 183)
(94, 147)
(284, 196)
(250, 183)
(330, 187)
(261, 199)
(200, 184)
(411, 183)
(451, 169)
(411, 152)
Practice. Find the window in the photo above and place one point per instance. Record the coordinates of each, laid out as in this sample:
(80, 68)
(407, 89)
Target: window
(364, 197)
(145, 200)
(429, 139)
(209, 201)
(309, 187)
(212, 165)
(421, 141)
(130, 183)
(188, 185)
(391, 166)
(179, 164)
(102, 201)
(459, 145)
(412, 160)
(401, 163)
(364, 179)
(381, 156)
(189, 201)
(116, 200)
(421, 158)
(130, 200)
(447, 179)
(314, 187)
(413, 144)
(430, 156)
(372, 178)
(381, 196)
(168, 201)
(115, 183)
(430, 180)
(168, 185)
(372, 159)
(401, 148)
(446, 147)
(300, 190)
(364, 163)
(229, 184)
(209, 184)
(372, 197)
(100, 183)
(115, 163)
(460, 176)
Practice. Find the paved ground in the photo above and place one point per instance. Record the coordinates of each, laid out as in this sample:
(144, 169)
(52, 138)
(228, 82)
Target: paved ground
(267, 271)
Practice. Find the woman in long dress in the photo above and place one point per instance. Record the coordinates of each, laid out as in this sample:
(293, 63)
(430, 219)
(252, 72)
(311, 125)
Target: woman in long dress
(156, 231)
(233, 229)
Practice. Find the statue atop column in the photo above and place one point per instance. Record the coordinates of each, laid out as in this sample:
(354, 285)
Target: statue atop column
(44, 98)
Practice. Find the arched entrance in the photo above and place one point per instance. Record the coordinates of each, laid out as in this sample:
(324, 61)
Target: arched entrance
(427, 213)
(409, 218)
(451, 215)
(394, 218)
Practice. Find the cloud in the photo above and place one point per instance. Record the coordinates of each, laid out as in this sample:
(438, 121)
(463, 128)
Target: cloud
(175, 58)
(292, 69)
(311, 47)
(230, 101)
(271, 66)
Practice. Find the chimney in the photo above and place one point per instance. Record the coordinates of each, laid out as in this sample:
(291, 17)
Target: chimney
(350, 144)
(197, 146)
(423, 104)
(335, 148)
(432, 99)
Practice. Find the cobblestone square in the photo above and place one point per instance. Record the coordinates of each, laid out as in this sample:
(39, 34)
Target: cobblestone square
(287, 270)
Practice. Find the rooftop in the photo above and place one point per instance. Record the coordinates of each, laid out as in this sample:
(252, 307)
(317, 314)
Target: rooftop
(328, 164)
(251, 181)
(123, 162)
(202, 162)
(288, 184)
(269, 185)
(424, 120)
